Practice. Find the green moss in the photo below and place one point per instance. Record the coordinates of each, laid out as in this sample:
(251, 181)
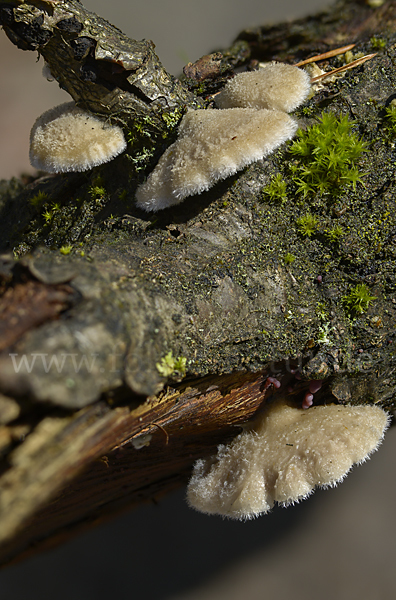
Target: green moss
(97, 191)
(65, 249)
(169, 365)
(276, 190)
(38, 200)
(390, 115)
(334, 234)
(289, 258)
(358, 300)
(307, 225)
(377, 43)
(141, 128)
(327, 155)
(47, 215)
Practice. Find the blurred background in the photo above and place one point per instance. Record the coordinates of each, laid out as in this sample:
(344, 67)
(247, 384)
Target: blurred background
(338, 544)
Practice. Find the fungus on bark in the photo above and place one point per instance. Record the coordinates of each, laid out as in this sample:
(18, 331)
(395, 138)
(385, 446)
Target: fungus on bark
(285, 454)
(67, 138)
(278, 86)
(214, 144)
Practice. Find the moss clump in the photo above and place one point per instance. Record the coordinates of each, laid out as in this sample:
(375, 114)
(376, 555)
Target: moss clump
(38, 200)
(307, 225)
(276, 190)
(47, 216)
(358, 300)
(326, 154)
(97, 191)
(169, 365)
(335, 234)
(390, 115)
(377, 43)
(65, 250)
(289, 258)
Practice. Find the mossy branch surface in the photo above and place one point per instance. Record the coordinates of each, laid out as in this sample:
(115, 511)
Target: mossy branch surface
(105, 306)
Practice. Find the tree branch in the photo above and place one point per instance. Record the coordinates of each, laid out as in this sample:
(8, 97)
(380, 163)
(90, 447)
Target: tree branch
(105, 303)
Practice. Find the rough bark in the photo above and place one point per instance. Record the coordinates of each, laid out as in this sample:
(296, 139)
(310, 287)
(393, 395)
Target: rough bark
(106, 292)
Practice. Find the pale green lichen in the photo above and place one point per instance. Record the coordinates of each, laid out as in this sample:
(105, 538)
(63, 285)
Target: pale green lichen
(324, 335)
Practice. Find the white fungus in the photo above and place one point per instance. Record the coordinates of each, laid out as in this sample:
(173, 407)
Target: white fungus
(67, 138)
(278, 86)
(212, 145)
(288, 452)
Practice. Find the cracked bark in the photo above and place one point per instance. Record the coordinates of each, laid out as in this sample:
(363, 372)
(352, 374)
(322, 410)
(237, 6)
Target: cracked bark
(99, 429)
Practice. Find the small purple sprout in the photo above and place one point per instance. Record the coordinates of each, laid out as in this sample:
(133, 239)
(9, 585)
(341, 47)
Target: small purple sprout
(308, 400)
(315, 385)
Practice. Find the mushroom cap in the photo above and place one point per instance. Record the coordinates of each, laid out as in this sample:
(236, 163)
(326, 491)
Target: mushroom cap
(67, 138)
(289, 451)
(278, 86)
(212, 145)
